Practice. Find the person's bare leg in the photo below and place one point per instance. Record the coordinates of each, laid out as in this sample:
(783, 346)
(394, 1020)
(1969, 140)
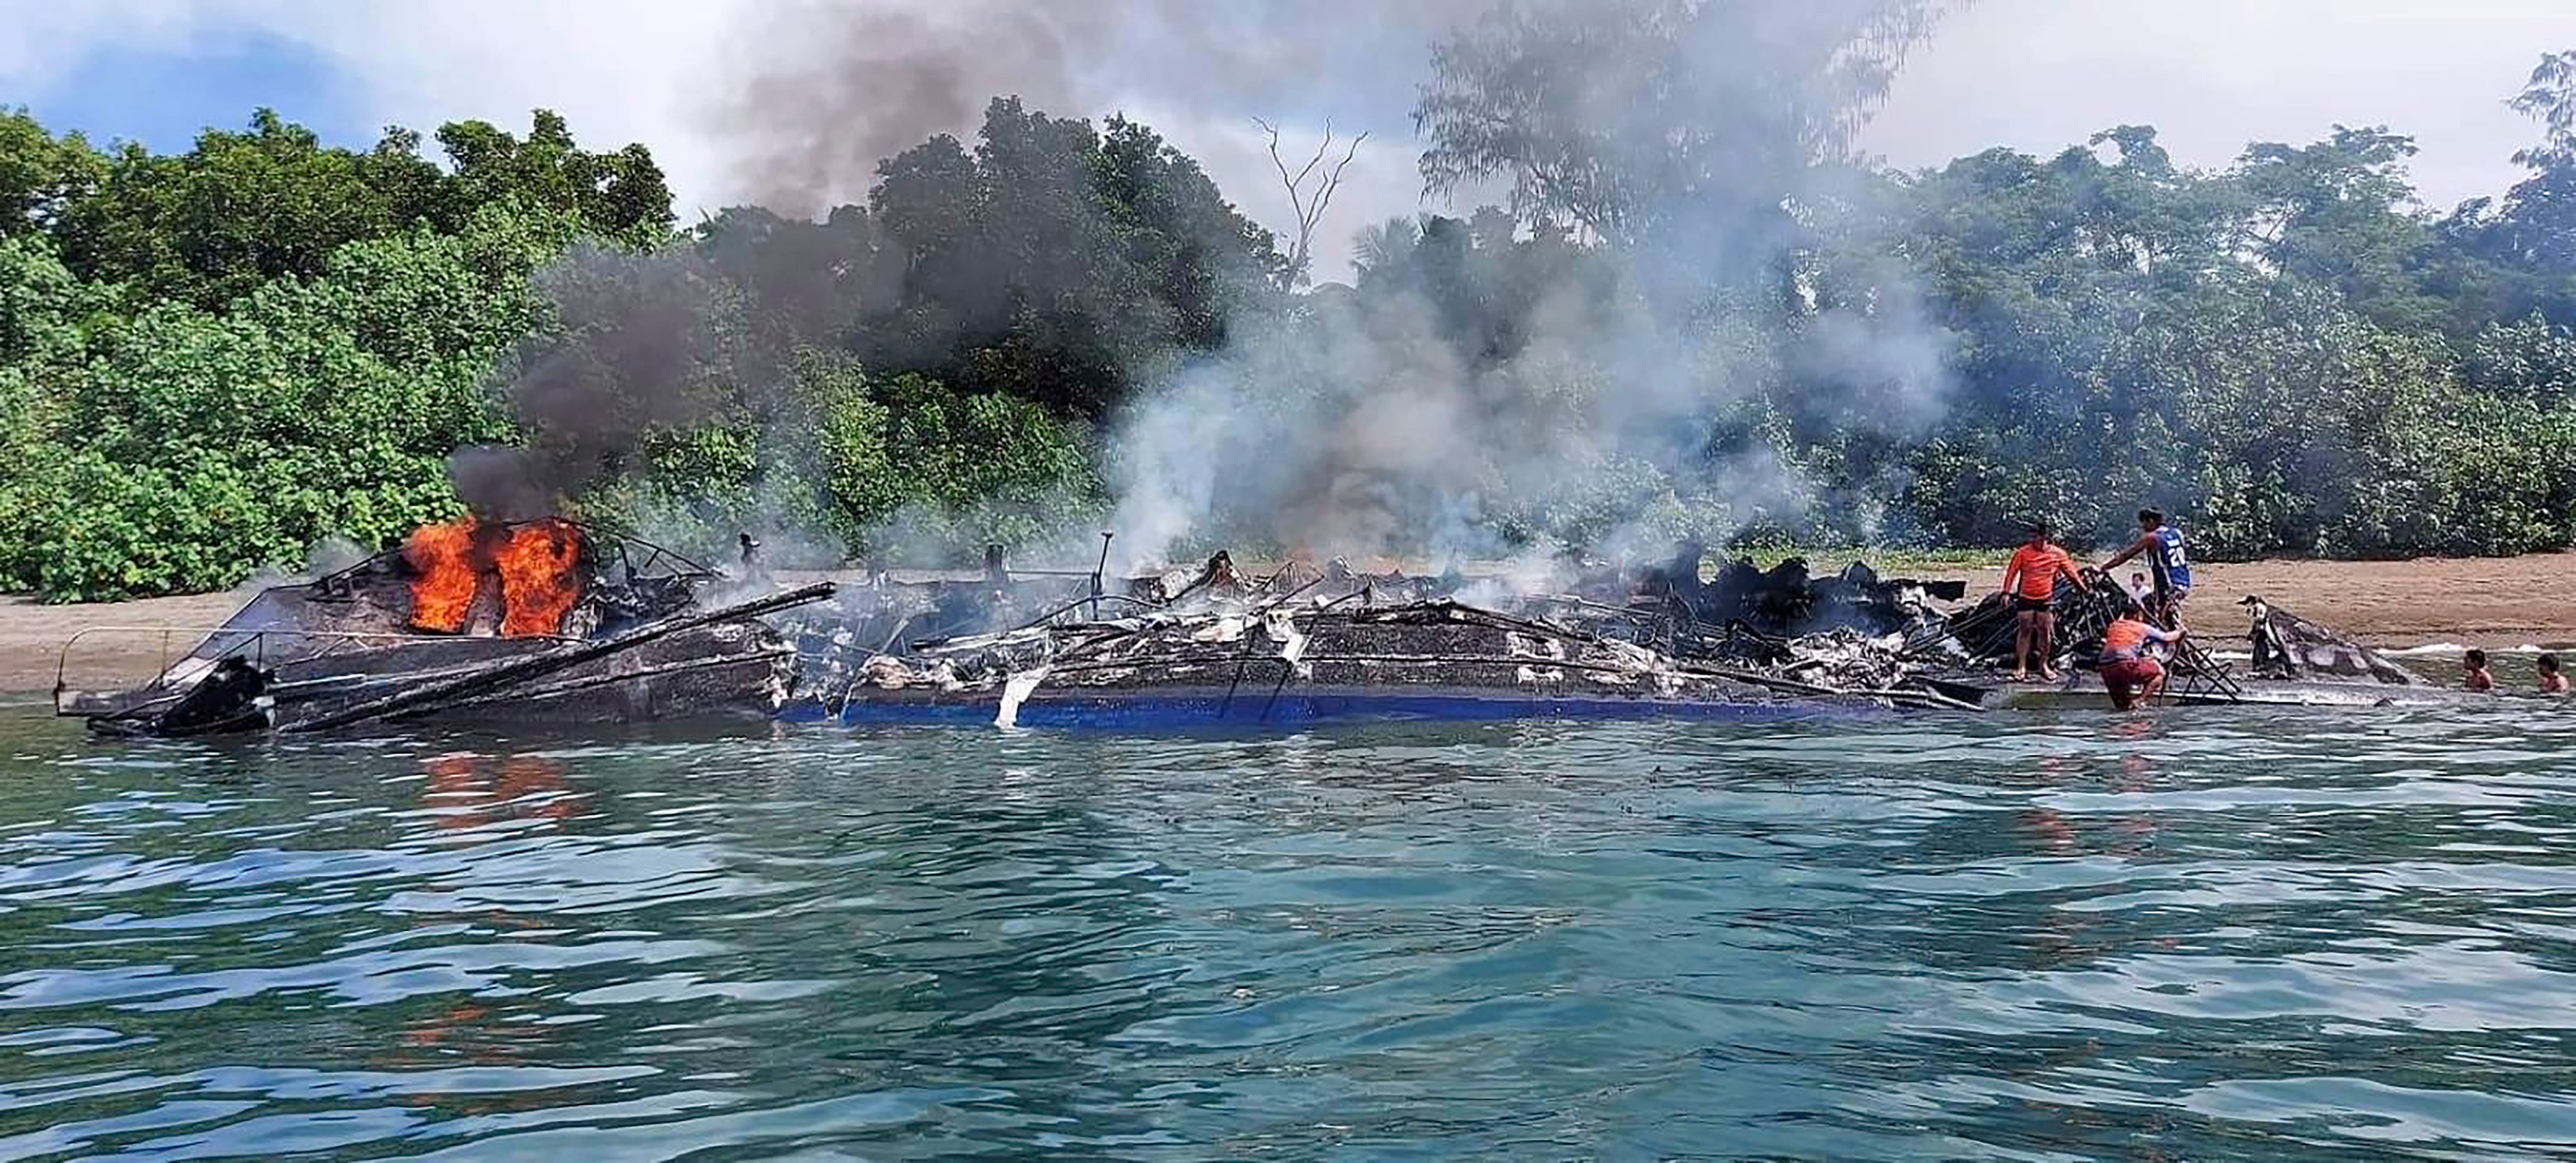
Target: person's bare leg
(2047, 634)
(2021, 647)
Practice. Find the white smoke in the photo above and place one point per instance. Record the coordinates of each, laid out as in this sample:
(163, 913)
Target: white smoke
(1352, 426)
(1494, 385)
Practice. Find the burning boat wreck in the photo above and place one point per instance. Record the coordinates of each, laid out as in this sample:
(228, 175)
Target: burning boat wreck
(550, 622)
(469, 621)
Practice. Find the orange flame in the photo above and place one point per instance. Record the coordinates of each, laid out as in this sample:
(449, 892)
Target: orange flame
(442, 563)
(539, 582)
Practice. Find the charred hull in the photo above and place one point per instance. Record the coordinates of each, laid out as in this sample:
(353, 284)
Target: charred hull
(628, 644)
(729, 667)
(1180, 707)
(695, 664)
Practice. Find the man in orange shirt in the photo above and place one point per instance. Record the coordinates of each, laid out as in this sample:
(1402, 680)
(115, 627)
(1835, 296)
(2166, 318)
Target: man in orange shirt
(2030, 580)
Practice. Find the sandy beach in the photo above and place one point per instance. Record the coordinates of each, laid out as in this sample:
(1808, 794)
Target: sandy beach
(2491, 602)
(32, 635)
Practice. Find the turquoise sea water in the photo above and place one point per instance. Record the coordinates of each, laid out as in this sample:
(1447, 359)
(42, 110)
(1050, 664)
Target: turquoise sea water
(2185, 935)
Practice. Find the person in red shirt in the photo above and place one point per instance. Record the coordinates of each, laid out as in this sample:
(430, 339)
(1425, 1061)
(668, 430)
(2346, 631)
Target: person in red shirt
(2130, 670)
(2030, 581)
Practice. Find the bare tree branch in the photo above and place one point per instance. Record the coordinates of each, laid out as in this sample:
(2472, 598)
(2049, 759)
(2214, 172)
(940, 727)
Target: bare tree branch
(1308, 204)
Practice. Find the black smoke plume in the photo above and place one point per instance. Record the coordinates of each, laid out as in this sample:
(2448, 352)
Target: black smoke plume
(640, 344)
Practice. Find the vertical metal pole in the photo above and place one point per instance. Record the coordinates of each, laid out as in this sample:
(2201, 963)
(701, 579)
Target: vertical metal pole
(1099, 573)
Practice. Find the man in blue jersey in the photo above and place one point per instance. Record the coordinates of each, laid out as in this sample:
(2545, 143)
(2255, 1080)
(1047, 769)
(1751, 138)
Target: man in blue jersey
(2166, 558)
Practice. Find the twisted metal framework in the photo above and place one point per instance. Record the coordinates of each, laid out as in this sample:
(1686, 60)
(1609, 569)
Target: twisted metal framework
(2193, 674)
(654, 560)
(2082, 615)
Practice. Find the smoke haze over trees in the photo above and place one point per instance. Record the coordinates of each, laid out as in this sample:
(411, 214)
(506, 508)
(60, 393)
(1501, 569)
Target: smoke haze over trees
(1695, 314)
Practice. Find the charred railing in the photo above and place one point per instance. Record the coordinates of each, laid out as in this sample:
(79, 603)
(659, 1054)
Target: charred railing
(253, 649)
(654, 561)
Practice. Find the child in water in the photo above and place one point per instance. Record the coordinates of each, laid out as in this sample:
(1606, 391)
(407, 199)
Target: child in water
(2551, 681)
(2477, 676)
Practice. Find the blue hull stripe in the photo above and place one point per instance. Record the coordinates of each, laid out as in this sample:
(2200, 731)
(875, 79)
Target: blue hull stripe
(1181, 711)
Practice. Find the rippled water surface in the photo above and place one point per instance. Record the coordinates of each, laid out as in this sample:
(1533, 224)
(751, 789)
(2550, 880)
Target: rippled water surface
(2189, 935)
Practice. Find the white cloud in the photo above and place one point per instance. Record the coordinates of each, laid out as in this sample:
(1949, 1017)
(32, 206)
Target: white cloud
(2212, 75)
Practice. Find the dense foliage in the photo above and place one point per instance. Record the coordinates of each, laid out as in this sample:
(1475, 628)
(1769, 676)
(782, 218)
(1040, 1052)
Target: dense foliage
(2292, 352)
(217, 360)
(2287, 351)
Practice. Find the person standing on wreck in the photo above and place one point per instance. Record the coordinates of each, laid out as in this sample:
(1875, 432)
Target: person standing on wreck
(2030, 580)
(2170, 562)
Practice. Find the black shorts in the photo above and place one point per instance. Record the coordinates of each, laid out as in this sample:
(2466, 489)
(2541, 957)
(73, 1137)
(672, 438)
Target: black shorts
(2022, 605)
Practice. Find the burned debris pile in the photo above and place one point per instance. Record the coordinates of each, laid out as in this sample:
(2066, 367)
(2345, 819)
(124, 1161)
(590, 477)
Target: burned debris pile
(1787, 599)
(1310, 641)
(1289, 662)
(1305, 641)
(2287, 646)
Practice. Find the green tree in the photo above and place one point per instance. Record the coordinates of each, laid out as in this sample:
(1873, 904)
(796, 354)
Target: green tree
(805, 283)
(45, 314)
(2342, 212)
(620, 195)
(41, 174)
(1053, 263)
(238, 209)
(192, 448)
(2508, 257)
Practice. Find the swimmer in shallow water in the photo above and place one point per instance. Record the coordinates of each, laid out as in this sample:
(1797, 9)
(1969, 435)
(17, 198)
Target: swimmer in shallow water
(2552, 681)
(2476, 676)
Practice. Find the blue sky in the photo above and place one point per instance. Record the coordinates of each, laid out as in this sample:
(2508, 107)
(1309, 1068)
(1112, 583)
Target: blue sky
(162, 96)
(2035, 75)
